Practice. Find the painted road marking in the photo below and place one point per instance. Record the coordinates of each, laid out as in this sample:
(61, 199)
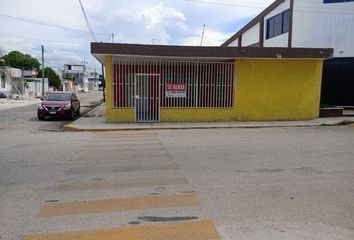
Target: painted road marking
(116, 205)
(126, 183)
(125, 168)
(194, 230)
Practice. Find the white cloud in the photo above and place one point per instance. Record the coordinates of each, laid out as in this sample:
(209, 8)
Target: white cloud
(177, 22)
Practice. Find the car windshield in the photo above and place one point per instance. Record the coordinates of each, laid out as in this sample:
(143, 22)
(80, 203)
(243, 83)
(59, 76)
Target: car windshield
(58, 97)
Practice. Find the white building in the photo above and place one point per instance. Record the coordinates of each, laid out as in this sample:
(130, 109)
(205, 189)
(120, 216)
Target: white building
(309, 24)
(33, 87)
(302, 23)
(78, 74)
(11, 81)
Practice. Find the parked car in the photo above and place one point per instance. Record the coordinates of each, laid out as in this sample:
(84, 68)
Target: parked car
(3, 95)
(59, 104)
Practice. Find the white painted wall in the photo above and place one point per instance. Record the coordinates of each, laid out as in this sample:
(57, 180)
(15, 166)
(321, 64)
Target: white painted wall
(278, 41)
(315, 25)
(281, 8)
(319, 25)
(4, 79)
(281, 40)
(251, 36)
(8, 73)
(234, 43)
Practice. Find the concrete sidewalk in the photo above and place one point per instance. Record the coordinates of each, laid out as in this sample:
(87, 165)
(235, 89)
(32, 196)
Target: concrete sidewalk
(95, 121)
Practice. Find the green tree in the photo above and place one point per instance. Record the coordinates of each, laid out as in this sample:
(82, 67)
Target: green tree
(53, 78)
(19, 60)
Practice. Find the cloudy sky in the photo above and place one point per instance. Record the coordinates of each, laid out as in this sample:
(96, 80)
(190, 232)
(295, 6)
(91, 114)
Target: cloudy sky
(60, 26)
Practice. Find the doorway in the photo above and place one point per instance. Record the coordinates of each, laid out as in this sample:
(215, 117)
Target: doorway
(147, 98)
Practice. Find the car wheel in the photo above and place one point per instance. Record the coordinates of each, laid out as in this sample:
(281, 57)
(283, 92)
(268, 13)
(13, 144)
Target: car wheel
(40, 118)
(78, 112)
(72, 114)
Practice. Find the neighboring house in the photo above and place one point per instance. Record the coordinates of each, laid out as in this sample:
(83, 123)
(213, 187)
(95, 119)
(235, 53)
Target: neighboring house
(153, 83)
(33, 87)
(19, 82)
(78, 74)
(94, 81)
(29, 73)
(309, 24)
(67, 85)
(5, 84)
(11, 81)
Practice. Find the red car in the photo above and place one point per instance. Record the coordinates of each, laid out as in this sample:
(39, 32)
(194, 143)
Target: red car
(59, 104)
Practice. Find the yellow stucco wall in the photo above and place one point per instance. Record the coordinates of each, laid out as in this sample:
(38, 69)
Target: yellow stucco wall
(265, 90)
(115, 115)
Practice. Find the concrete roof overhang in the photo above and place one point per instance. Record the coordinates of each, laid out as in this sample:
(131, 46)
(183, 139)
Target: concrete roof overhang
(101, 50)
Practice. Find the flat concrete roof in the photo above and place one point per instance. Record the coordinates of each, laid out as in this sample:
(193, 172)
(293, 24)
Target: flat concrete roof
(100, 50)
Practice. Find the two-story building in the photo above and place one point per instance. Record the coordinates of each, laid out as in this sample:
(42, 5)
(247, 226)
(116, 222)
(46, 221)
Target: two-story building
(309, 24)
(78, 74)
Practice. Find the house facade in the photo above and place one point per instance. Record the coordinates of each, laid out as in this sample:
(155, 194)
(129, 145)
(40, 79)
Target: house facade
(154, 83)
(78, 74)
(11, 81)
(309, 24)
(301, 24)
(33, 87)
(5, 84)
(94, 81)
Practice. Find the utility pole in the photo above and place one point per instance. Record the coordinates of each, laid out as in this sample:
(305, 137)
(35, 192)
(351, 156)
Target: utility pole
(153, 41)
(103, 85)
(42, 71)
(112, 37)
(201, 41)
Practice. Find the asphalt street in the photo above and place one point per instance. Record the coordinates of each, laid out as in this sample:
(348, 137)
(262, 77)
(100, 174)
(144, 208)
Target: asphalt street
(25, 118)
(275, 183)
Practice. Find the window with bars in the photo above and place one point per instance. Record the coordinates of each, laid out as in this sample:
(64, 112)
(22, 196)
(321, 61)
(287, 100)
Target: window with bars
(198, 84)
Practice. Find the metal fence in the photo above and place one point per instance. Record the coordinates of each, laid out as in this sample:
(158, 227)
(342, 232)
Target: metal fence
(204, 84)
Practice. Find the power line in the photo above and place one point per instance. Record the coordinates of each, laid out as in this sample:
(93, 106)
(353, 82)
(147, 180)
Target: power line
(48, 25)
(227, 4)
(305, 9)
(40, 40)
(87, 22)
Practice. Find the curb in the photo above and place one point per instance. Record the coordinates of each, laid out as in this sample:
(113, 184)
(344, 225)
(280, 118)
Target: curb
(77, 129)
(72, 128)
